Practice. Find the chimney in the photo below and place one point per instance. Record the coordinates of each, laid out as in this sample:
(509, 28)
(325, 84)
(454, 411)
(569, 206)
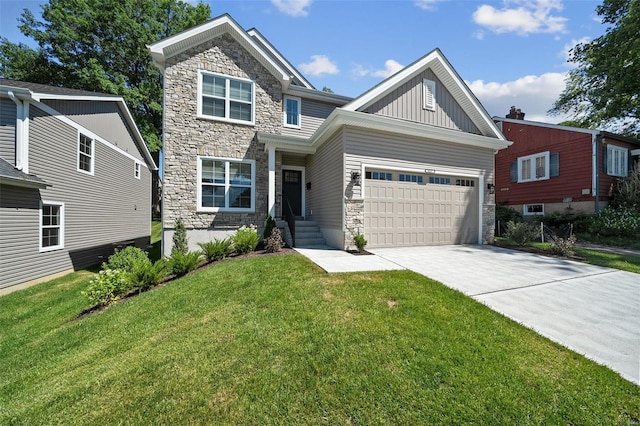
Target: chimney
(515, 113)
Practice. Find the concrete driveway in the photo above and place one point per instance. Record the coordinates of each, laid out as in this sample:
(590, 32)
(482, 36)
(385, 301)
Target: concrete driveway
(592, 310)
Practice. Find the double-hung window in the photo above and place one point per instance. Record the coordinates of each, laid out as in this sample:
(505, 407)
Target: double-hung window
(226, 184)
(136, 170)
(533, 167)
(85, 154)
(617, 161)
(51, 226)
(291, 112)
(221, 97)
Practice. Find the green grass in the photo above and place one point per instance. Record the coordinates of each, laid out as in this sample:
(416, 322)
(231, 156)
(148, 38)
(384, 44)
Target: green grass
(629, 242)
(274, 340)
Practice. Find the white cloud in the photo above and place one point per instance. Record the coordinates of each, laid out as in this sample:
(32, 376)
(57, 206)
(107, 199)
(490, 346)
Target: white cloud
(426, 4)
(479, 35)
(530, 16)
(390, 67)
(294, 8)
(566, 51)
(534, 95)
(319, 65)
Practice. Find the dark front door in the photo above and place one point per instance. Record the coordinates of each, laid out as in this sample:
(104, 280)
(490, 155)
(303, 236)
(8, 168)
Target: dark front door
(292, 191)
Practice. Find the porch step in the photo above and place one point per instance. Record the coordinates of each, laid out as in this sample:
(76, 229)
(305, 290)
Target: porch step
(286, 233)
(308, 234)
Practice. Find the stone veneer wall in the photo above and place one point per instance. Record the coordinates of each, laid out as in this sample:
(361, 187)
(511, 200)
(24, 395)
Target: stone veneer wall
(186, 137)
(354, 221)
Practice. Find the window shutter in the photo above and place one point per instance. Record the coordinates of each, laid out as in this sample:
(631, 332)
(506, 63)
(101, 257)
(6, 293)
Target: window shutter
(554, 164)
(514, 171)
(604, 160)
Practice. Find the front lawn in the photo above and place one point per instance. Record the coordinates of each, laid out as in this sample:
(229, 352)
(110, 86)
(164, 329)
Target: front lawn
(274, 340)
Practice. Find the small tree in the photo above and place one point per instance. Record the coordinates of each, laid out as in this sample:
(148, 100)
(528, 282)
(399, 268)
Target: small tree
(269, 224)
(180, 240)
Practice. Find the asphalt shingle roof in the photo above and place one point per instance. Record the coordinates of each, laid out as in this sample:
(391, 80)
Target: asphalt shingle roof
(7, 171)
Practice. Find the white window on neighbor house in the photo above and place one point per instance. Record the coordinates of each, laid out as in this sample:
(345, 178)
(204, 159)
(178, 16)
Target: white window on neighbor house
(533, 167)
(226, 98)
(292, 108)
(51, 226)
(533, 209)
(617, 162)
(85, 154)
(226, 185)
(429, 94)
(136, 170)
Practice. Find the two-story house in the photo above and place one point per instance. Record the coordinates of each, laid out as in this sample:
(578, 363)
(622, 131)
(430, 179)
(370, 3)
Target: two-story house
(409, 162)
(558, 169)
(75, 180)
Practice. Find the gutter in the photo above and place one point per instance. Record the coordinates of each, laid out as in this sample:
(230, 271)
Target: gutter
(597, 140)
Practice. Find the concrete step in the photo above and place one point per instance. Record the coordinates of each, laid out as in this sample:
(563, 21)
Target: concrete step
(310, 242)
(308, 234)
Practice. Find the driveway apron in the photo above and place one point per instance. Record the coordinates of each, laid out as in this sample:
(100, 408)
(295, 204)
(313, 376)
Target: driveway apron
(589, 309)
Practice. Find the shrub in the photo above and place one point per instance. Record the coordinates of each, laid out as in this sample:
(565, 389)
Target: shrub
(127, 259)
(626, 193)
(564, 246)
(216, 249)
(245, 239)
(107, 287)
(506, 214)
(360, 242)
(269, 224)
(616, 222)
(274, 243)
(180, 240)
(182, 264)
(522, 232)
(145, 277)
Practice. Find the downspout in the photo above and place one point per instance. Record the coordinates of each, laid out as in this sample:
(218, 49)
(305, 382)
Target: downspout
(597, 138)
(20, 130)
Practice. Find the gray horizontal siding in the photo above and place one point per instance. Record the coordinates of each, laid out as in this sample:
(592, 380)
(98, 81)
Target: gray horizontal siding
(390, 150)
(293, 160)
(324, 171)
(8, 130)
(102, 118)
(406, 102)
(313, 115)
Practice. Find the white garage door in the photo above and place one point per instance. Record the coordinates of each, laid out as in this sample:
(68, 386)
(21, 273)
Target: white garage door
(404, 209)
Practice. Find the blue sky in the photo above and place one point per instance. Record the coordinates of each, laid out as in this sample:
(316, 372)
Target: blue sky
(510, 52)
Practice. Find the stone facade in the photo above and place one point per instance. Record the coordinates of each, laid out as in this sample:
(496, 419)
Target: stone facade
(186, 136)
(488, 223)
(353, 221)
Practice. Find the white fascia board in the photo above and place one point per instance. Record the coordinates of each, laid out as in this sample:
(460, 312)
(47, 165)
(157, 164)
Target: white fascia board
(22, 183)
(43, 96)
(635, 152)
(286, 143)
(547, 125)
(318, 95)
(340, 117)
(18, 92)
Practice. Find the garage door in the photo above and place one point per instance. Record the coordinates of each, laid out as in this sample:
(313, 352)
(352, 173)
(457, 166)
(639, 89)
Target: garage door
(403, 209)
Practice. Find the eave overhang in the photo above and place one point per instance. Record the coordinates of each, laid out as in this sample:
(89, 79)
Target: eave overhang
(286, 143)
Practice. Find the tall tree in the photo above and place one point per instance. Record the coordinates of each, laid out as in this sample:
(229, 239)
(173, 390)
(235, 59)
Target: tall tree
(604, 89)
(100, 45)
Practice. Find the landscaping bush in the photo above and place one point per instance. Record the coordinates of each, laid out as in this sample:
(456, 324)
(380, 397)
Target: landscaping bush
(216, 249)
(127, 259)
(522, 232)
(269, 224)
(561, 222)
(245, 239)
(107, 287)
(616, 222)
(360, 242)
(506, 214)
(626, 193)
(180, 240)
(182, 264)
(144, 277)
(564, 246)
(274, 242)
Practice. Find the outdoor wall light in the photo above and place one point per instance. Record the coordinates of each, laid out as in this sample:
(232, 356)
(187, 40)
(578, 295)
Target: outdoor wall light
(491, 188)
(355, 178)
(308, 185)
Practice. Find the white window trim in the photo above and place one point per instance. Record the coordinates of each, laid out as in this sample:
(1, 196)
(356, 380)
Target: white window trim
(93, 154)
(625, 161)
(61, 237)
(201, 73)
(526, 213)
(429, 94)
(284, 111)
(533, 157)
(136, 169)
(199, 207)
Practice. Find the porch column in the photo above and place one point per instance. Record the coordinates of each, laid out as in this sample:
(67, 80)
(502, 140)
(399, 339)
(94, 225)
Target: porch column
(272, 181)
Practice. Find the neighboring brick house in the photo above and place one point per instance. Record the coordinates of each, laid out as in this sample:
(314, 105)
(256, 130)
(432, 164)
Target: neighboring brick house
(558, 169)
(75, 180)
(245, 134)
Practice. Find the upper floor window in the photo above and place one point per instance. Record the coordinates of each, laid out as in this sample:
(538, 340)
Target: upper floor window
(85, 154)
(51, 226)
(617, 161)
(533, 167)
(226, 184)
(225, 98)
(429, 94)
(291, 112)
(136, 170)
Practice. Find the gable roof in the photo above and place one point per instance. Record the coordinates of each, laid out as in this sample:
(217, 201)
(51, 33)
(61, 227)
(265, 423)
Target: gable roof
(38, 92)
(223, 24)
(448, 76)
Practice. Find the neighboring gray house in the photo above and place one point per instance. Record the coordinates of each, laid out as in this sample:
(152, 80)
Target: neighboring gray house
(409, 162)
(75, 180)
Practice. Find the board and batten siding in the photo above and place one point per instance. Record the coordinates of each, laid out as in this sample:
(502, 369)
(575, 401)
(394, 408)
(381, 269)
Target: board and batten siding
(313, 113)
(8, 130)
(102, 118)
(406, 102)
(324, 201)
(100, 210)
